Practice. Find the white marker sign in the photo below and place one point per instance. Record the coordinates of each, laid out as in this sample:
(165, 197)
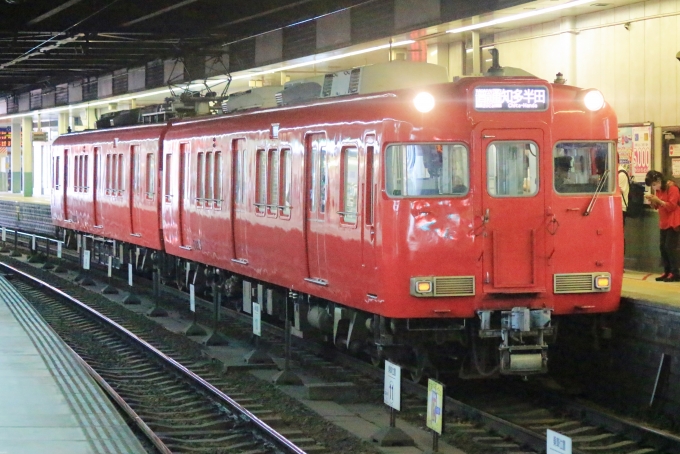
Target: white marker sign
(4, 234)
(110, 263)
(556, 443)
(86, 260)
(392, 396)
(257, 321)
(130, 274)
(192, 298)
(33, 242)
(59, 243)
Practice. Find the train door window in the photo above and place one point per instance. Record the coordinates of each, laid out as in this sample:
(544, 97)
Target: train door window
(580, 167)
(261, 203)
(209, 180)
(136, 174)
(273, 183)
(217, 180)
(109, 171)
(314, 191)
(85, 182)
(76, 173)
(370, 178)
(200, 179)
(167, 172)
(150, 176)
(120, 186)
(55, 172)
(349, 185)
(427, 169)
(512, 169)
(286, 180)
(323, 180)
(237, 147)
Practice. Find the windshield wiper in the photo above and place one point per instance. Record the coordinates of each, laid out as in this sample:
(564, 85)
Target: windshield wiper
(600, 186)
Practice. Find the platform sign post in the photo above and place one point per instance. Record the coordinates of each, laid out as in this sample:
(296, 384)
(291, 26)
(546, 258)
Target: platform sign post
(556, 443)
(257, 320)
(435, 411)
(86, 260)
(392, 435)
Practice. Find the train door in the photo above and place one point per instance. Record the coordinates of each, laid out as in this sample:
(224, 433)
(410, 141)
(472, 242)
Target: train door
(135, 192)
(96, 154)
(514, 211)
(317, 189)
(368, 219)
(239, 202)
(184, 196)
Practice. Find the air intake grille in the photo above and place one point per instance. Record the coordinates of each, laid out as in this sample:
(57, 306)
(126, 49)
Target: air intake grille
(574, 283)
(454, 286)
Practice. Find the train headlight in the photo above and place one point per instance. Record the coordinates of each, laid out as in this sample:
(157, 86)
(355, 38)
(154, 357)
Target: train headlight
(424, 102)
(603, 282)
(594, 100)
(422, 286)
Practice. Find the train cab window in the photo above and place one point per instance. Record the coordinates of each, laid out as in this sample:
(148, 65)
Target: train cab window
(261, 198)
(582, 167)
(350, 185)
(150, 176)
(512, 169)
(286, 180)
(427, 169)
(273, 183)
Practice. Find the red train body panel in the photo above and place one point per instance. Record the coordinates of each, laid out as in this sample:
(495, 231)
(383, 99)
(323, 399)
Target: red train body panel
(316, 198)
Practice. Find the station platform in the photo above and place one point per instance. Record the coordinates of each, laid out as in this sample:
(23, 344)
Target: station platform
(26, 214)
(50, 403)
(18, 197)
(642, 287)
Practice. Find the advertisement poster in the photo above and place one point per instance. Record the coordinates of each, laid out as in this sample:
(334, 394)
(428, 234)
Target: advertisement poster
(675, 167)
(635, 149)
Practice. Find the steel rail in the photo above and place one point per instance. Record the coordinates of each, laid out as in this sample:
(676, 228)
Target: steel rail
(272, 434)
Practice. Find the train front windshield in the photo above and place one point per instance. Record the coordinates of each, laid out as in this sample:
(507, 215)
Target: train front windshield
(417, 170)
(579, 167)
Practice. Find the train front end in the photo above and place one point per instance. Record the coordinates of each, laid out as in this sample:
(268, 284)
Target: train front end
(506, 217)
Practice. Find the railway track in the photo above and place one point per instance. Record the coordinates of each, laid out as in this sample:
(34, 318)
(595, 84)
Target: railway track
(512, 420)
(181, 403)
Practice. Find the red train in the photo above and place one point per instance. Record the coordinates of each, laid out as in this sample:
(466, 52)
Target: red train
(436, 224)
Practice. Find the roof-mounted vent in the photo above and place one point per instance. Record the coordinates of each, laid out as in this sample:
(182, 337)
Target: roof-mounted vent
(251, 99)
(298, 92)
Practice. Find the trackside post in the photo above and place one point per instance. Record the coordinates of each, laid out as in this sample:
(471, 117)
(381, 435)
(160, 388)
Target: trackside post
(392, 435)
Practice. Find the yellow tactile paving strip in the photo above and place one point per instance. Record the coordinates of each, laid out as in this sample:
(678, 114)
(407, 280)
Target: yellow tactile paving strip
(642, 287)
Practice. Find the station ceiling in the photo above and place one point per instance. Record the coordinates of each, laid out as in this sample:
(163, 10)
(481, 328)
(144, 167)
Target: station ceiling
(47, 42)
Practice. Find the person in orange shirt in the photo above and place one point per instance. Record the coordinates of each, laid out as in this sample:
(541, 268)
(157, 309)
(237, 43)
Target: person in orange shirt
(664, 198)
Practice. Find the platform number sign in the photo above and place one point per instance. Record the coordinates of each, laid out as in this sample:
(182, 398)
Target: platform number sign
(392, 393)
(557, 443)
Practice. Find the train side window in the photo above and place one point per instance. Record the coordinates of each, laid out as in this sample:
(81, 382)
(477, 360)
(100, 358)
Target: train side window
(512, 169)
(76, 173)
(109, 172)
(86, 181)
(370, 179)
(167, 172)
(217, 180)
(579, 167)
(120, 185)
(209, 180)
(150, 176)
(261, 197)
(136, 173)
(273, 183)
(349, 185)
(200, 179)
(427, 170)
(286, 180)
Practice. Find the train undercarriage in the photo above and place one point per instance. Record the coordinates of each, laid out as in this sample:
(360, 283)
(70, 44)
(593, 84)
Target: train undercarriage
(495, 343)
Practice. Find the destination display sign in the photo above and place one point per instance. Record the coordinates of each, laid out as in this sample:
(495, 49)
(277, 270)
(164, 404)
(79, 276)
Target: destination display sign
(511, 99)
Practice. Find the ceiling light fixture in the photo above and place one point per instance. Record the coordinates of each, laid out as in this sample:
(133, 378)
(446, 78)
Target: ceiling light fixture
(514, 17)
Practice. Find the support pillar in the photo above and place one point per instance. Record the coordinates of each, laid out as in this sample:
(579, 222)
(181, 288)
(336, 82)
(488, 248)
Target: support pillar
(438, 54)
(63, 123)
(476, 54)
(568, 46)
(16, 156)
(91, 117)
(27, 155)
